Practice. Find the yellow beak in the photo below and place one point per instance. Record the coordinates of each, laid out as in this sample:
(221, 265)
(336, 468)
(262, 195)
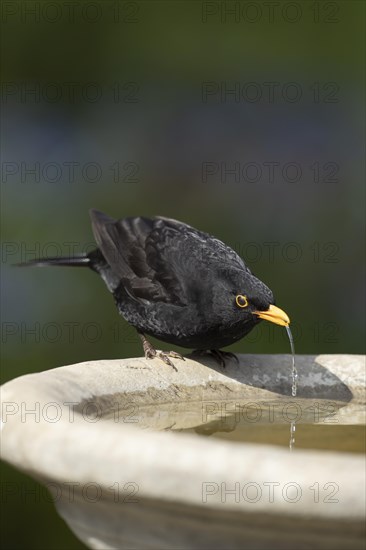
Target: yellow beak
(275, 315)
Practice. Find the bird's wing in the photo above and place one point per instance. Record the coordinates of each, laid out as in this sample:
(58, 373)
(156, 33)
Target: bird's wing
(158, 259)
(205, 249)
(128, 247)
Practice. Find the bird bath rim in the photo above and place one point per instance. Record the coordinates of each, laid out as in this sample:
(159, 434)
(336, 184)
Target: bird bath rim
(160, 463)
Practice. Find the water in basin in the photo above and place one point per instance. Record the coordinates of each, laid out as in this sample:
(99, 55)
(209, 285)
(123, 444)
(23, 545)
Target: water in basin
(291, 422)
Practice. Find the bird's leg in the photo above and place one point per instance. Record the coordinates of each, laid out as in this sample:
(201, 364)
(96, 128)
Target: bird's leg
(150, 352)
(219, 355)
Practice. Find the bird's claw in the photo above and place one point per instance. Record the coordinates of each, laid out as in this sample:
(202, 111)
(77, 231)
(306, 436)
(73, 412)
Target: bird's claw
(151, 352)
(165, 357)
(230, 355)
(175, 354)
(220, 356)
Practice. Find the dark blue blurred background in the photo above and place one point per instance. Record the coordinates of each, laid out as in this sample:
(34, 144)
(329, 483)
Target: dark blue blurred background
(244, 119)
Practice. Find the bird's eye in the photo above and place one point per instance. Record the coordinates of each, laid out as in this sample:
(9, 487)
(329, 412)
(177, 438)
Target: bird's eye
(241, 301)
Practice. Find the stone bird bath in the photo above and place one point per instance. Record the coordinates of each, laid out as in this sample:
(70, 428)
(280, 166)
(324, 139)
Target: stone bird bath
(103, 437)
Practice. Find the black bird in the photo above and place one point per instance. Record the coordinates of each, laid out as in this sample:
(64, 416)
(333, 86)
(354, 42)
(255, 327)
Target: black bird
(175, 283)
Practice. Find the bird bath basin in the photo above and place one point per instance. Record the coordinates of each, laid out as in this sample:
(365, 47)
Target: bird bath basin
(123, 448)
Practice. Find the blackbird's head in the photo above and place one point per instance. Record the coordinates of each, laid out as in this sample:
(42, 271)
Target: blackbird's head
(252, 301)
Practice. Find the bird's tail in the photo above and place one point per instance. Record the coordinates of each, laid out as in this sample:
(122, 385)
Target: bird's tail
(82, 260)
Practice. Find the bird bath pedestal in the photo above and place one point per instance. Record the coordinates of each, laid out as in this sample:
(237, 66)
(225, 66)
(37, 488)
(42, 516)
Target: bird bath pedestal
(104, 439)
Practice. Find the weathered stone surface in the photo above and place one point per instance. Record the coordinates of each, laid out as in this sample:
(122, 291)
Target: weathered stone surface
(87, 430)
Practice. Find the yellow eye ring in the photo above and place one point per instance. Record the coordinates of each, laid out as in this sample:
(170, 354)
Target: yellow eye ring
(241, 301)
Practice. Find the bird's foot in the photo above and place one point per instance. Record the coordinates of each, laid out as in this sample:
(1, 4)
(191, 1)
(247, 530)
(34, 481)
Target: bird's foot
(220, 356)
(151, 352)
(174, 354)
(223, 356)
(164, 356)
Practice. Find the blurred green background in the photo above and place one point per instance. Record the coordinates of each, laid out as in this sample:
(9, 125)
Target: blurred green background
(144, 108)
